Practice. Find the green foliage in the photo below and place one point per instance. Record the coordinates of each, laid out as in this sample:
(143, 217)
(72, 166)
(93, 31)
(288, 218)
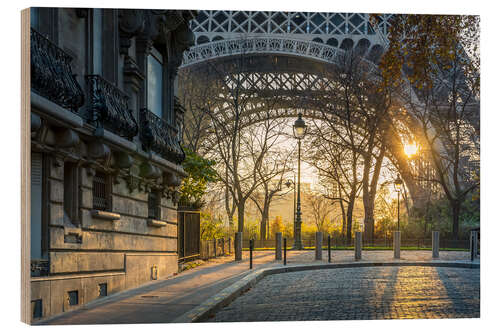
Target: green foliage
(277, 225)
(210, 227)
(251, 229)
(200, 172)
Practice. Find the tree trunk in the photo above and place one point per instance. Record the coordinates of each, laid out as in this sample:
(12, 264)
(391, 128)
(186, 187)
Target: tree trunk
(342, 209)
(263, 227)
(350, 210)
(241, 215)
(369, 220)
(456, 206)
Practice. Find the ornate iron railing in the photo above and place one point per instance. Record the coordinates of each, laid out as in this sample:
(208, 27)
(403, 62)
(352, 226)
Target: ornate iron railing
(108, 107)
(273, 45)
(51, 74)
(159, 136)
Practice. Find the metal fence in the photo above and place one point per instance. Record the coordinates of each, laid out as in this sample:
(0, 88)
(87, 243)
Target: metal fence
(419, 243)
(214, 248)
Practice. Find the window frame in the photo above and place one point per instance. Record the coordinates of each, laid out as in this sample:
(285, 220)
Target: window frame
(155, 55)
(108, 189)
(71, 189)
(154, 209)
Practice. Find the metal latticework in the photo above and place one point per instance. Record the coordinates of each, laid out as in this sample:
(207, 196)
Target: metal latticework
(99, 191)
(314, 35)
(154, 205)
(304, 23)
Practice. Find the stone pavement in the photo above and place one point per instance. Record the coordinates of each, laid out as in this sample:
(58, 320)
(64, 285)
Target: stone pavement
(163, 301)
(359, 293)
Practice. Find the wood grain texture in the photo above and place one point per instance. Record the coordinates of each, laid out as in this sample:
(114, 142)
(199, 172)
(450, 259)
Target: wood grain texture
(25, 167)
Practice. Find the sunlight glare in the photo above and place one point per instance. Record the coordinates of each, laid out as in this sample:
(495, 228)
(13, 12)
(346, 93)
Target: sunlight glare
(410, 149)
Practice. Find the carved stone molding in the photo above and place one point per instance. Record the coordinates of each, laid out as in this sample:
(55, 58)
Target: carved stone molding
(122, 160)
(67, 138)
(131, 22)
(171, 180)
(36, 122)
(132, 75)
(99, 151)
(150, 171)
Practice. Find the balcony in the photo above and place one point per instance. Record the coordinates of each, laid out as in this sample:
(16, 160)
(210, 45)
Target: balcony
(159, 136)
(51, 74)
(108, 107)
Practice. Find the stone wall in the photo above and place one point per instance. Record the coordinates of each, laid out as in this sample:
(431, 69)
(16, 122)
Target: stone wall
(88, 251)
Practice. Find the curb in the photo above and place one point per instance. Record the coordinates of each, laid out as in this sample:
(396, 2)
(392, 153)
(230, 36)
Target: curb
(226, 296)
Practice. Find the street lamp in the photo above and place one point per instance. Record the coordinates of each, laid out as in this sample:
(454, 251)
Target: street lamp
(397, 184)
(299, 131)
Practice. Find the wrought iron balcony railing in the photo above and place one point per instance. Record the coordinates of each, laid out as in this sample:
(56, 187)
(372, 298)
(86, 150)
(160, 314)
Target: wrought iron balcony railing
(108, 107)
(159, 136)
(51, 74)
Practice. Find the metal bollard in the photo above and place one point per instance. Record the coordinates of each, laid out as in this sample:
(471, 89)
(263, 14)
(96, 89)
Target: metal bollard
(358, 245)
(251, 253)
(329, 249)
(473, 245)
(284, 251)
(279, 241)
(435, 244)
(319, 246)
(397, 244)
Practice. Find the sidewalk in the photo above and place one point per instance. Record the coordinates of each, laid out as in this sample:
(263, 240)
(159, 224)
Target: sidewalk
(164, 301)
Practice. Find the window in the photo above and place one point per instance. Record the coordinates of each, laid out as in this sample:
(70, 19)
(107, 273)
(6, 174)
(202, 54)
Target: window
(36, 205)
(73, 297)
(103, 289)
(36, 309)
(155, 83)
(71, 197)
(154, 209)
(101, 192)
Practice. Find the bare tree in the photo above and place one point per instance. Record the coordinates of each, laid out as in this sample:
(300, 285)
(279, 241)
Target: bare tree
(275, 166)
(320, 208)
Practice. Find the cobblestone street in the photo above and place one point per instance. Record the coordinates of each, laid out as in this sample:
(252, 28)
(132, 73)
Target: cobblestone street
(360, 293)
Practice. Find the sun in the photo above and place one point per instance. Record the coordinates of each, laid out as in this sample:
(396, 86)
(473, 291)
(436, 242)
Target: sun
(411, 149)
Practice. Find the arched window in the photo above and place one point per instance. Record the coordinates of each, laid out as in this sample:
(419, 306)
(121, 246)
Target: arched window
(202, 40)
(332, 42)
(375, 53)
(347, 44)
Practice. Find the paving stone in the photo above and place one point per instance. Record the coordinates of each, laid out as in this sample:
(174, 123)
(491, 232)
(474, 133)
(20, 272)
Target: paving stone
(359, 294)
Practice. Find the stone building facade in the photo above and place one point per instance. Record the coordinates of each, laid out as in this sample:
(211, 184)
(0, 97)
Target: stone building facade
(106, 157)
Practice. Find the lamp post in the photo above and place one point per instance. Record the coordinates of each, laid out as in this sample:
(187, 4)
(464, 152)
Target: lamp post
(289, 184)
(397, 184)
(299, 131)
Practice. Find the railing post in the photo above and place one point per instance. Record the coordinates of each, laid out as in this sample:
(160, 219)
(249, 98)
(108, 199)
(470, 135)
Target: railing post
(251, 253)
(357, 245)
(238, 246)
(473, 245)
(319, 245)
(397, 244)
(277, 250)
(284, 251)
(435, 244)
(329, 249)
